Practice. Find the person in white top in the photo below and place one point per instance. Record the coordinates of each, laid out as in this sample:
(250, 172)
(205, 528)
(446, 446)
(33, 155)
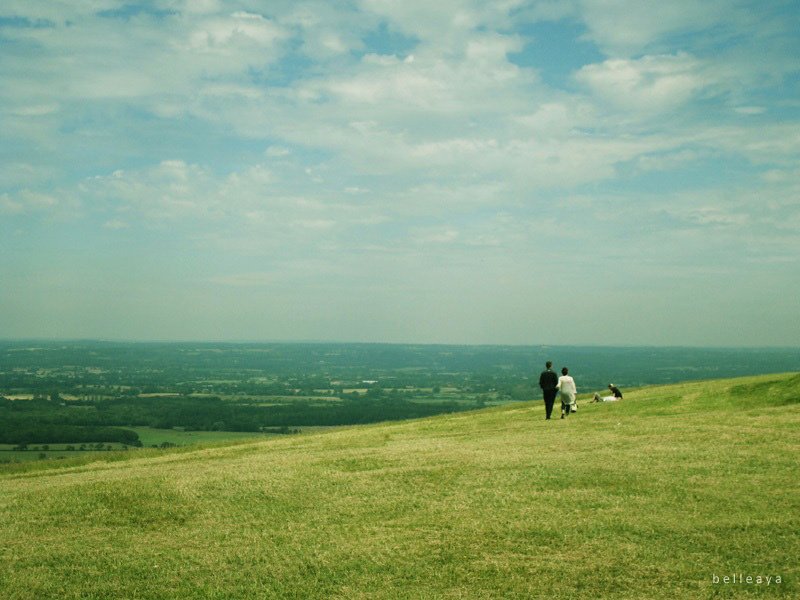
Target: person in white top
(567, 390)
(616, 394)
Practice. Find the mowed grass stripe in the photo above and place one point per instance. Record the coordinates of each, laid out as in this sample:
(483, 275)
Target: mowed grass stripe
(646, 498)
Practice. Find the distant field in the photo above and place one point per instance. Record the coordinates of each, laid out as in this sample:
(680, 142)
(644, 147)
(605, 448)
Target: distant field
(275, 399)
(150, 436)
(661, 495)
(56, 451)
(147, 435)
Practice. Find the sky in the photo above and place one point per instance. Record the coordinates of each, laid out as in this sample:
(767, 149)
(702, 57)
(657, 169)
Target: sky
(600, 172)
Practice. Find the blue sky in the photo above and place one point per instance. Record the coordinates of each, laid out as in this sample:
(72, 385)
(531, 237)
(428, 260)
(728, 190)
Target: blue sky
(523, 172)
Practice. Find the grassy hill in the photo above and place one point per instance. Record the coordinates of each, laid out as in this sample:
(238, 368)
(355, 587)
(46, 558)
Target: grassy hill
(651, 497)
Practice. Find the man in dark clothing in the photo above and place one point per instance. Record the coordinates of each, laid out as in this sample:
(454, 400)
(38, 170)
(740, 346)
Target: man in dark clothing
(615, 390)
(548, 381)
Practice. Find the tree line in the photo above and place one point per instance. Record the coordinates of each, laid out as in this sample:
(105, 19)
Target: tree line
(27, 431)
(46, 420)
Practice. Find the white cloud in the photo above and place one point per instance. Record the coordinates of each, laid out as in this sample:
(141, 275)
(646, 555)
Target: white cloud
(115, 224)
(169, 191)
(37, 110)
(667, 161)
(157, 57)
(244, 279)
(240, 29)
(21, 174)
(556, 118)
(198, 7)
(623, 28)
(783, 176)
(35, 200)
(428, 83)
(277, 151)
(457, 110)
(9, 206)
(762, 143)
(649, 85)
(750, 110)
(279, 142)
(715, 216)
(254, 204)
(439, 235)
(439, 21)
(57, 12)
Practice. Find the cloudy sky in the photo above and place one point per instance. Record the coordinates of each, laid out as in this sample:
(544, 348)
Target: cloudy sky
(458, 171)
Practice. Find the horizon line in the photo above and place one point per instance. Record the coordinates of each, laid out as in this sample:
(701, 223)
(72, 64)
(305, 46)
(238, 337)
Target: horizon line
(298, 342)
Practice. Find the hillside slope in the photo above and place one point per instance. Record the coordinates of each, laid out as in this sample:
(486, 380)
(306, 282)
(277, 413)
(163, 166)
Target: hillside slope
(651, 497)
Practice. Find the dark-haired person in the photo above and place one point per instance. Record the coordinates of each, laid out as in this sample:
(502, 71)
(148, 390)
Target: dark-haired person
(548, 381)
(615, 395)
(568, 391)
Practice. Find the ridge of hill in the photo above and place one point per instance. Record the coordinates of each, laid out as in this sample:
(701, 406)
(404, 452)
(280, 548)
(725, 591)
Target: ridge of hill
(662, 495)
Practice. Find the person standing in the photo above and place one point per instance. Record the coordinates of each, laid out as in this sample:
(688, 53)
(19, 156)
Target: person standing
(548, 381)
(568, 391)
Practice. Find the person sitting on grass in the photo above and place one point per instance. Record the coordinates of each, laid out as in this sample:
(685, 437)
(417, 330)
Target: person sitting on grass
(615, 395)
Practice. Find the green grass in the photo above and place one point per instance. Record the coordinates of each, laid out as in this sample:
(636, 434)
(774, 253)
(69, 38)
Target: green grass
(149, 436)
(56, 452)
(646, 498)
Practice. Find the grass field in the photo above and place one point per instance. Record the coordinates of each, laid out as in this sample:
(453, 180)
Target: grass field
(150, 436)
(662, 495)
(55, 451)
(147, 435)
